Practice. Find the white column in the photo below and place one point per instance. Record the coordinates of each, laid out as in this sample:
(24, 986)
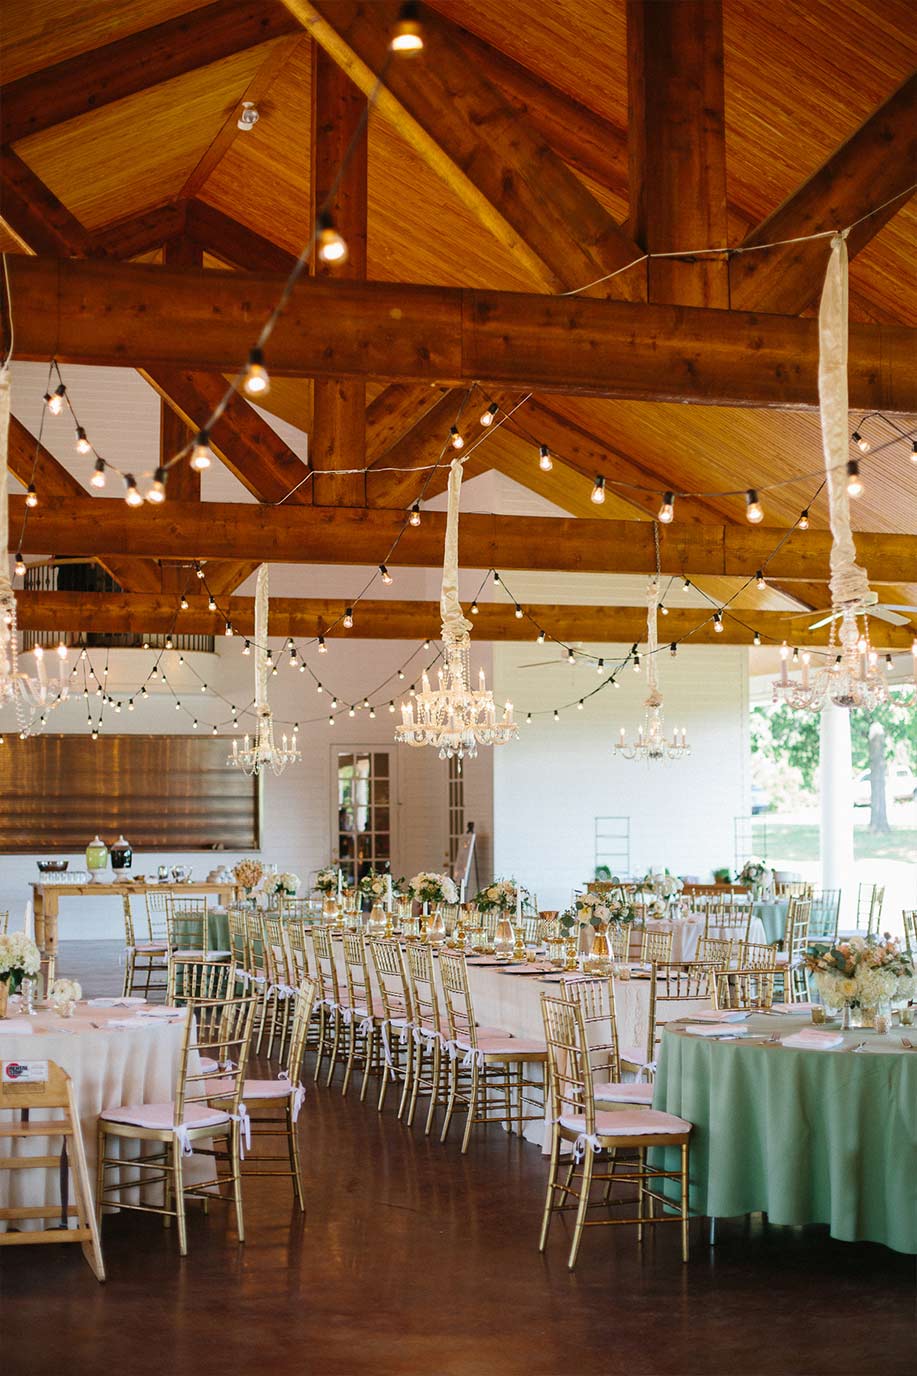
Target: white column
(836, 782)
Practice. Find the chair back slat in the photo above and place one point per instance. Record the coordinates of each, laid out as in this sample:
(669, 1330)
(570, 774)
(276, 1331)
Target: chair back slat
(223, 1034)
(596, 1000)
(325, 968)
(356, 971)
(157, 906)
(302, 1016)
(457, 997)
(392, 979)
(295, 929)
(424, 996)
(569, 1072)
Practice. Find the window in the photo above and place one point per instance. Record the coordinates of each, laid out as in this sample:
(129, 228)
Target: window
(364, 812)
(456, 807)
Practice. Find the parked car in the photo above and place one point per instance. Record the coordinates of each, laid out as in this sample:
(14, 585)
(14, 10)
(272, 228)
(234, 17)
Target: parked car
(760, 800)
(900, 786)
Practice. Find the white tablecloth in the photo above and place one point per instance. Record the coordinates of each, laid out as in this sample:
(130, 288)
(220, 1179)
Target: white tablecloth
(689, 930)
(109, 1066)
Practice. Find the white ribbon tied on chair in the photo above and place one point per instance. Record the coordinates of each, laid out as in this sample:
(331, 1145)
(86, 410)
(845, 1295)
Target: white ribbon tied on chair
(849, 582)
(585, 1139)
(298, 1095)
(366, 1025)
(245, 1123)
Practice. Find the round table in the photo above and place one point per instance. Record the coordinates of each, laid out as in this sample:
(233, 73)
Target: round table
(687, 932)
(803, 1136)
(772, 917)
(108, 1064)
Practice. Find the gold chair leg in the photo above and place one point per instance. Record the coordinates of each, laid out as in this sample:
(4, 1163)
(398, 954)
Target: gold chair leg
(235, 1146)
(369, 1050)
(295, 1164)
(453, 1091)
(472, 1105)
(334, 1047)
(351, 1053)
(519, 1095)
(176, 1168)
(408, 1076)
(684, 1202)
(322, 1036)
(434, 1084)
(586, 1186)
(100, 1173)
(418, 1073)
(641, 1183)
(552, 1186)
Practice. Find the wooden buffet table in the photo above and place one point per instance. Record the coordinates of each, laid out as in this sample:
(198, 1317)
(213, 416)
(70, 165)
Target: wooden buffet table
(46, 901)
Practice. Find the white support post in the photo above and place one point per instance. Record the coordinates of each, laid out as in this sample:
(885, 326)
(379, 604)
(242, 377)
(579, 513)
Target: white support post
(836, 780)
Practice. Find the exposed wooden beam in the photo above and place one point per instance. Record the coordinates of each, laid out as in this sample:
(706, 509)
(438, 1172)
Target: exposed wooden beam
(111, 613)
(677, 147)
(873, 166)
(119, 313)
(184, 483)
(34, 215)
(418, 449)
(250, 449)
(234, 243)
(338, 168)
(322, 535)
(138, 234)
(479, 143)
(143, 59)
(393, 414)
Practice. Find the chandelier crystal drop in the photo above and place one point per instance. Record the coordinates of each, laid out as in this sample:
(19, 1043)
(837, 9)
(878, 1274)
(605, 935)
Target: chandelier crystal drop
(852, 677)
(454, 718)
(262, 753)
(650, 743)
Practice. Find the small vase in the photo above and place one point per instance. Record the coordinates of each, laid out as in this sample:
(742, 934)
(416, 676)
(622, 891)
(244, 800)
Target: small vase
(585, 939)
(504, 939)
(376, 923)
(436, 931)
(4, 997)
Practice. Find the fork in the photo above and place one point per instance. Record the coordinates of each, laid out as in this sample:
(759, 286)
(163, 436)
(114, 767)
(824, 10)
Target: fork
(859, 1046)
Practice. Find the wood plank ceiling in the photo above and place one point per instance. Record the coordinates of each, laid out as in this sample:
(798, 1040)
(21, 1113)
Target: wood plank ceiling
(799, 77)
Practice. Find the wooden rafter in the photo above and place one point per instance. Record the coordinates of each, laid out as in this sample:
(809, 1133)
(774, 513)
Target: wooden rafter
(390, 620)
(34, 215)
(317, 535)
(875, 165)
(118, 313)
(482, 146)
(393, 414)
(234, 243)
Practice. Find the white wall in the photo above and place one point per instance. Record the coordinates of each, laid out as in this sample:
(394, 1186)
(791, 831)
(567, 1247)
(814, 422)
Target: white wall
(298, 811)
(551, 785)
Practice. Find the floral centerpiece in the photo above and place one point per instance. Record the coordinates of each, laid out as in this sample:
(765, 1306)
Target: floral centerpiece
(755, 873)
(597, 910)
(500, 896)
(661, 883)
(326, 881)
(20, 959)
(432, 888)
(375, 885)
(285, 883)
(64, 995)
(248, 874)
(862, 973)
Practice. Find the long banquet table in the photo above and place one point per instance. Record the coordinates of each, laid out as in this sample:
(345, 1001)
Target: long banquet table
(805, 1136)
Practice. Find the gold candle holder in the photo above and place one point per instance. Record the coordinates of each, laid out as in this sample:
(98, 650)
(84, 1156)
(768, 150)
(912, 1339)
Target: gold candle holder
(570, 960)
(519, 951)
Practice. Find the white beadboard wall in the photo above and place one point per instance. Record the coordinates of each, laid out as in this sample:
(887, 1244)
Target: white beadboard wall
(551, 785)
(297, 808)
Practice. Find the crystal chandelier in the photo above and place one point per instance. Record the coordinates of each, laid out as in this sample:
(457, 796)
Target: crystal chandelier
(853, 678)
(650, 742)
(262, 753)
(454, 717)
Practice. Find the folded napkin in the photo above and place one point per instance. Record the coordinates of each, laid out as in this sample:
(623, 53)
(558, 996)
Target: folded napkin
(15, 1027)
(125, 1022)
(719, 1015)
(811, 1039)
(800, 1008)
(714, 1029)
(158, 1011)
(126, 1001)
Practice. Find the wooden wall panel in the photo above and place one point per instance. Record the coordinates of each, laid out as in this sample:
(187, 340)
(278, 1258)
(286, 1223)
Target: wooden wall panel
(171, 793)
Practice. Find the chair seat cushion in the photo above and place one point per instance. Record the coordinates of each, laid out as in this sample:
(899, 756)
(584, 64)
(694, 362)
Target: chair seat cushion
(623, 1094)
(494, 1042)
(267, 1089)
(209, 1066)
(151, 948)
(162, 1116)
(634, 1055)
(200, 955)
(637, 1122)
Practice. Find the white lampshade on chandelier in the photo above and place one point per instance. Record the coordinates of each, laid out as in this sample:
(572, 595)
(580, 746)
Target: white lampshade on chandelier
(454, 718)
(261, 752)
(650, 743)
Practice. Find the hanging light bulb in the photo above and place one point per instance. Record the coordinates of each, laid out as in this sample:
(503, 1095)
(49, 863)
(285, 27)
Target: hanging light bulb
(487, 417)
(63, 650)
(322, 647)
(803, 521)
(156, 492)
(98, 474)
(348, 618)
(169, 644)
(598, 492)
(386, 576)
(757, 639)
(198, 570)
(131, 494)
(201, 454)
(854, 482)
(666, 513)
(753, 508)
(673, 651)
(545, 462)
(718, 622)
(455, 438)
(600, 666)
(579, 705)
(540, 638)
(247, 648)
(55, 399)
(228, 630)
(184, 604)
(414, 518)
(331, 246)
(211, 603)
(556, 715)
(686, 585)
(391, 706)
(760, 581)
(31, 496)
(82, 443)
(528, 718)
(863, 445)
(474, 609)
(518, 612)
(407, 35)
(571, 657)
(636, 664)
(256, 382)
(663, 608)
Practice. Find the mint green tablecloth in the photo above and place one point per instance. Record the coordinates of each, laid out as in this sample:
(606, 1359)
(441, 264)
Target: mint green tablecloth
(804, 1136)
(773, 919)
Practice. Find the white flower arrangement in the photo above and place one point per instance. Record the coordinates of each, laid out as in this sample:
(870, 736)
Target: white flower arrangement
(20, 958)
(500, 895)
(864, 972)
(432, 888)
(753, 871)
(286, 883)
(326, 881)
(597, 909)
(64, 993)
(374, 885)
(662, 883)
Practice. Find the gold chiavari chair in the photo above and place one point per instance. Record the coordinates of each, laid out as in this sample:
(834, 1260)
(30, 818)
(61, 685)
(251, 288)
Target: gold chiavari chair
(285, 1093)
(794, 888)
(187, 929)
(397, 1016)
(240, 954)
(200, 1108)
(366, 1015)
(870, 900)
(753, 955)
(714, 950)
(202, 981)
(280, 984)
(909, 916)
(325, 972)
(596, 1000)
(142, 959)
(306, 909)
(749, 988)
(656, 946)
(618, 934)
(494, 1088)
(296, 930)
(157, 907)
(428, 1030)
(589, 1130)
(675, 990)
(532, 929)
(726, 922)
(791, 961)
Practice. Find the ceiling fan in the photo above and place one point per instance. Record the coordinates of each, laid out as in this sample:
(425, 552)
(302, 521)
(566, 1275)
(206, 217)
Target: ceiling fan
(884, 611)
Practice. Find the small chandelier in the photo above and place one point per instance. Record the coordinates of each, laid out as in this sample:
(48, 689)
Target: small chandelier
(262, 753)
(853, 678)
(650, 742)
(454, 717)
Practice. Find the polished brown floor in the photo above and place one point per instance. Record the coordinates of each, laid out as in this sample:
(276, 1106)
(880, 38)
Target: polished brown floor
(412, 1259)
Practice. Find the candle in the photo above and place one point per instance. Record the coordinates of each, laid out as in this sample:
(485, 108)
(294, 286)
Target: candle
(425, 682)
(340, 883)
(481, 678)
(388, 891)
(518, 902)
(806, 659)
(623, 735)
(509, 712)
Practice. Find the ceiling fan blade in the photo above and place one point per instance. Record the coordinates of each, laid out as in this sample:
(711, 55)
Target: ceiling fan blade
(883, 613)
(825, 621)
(894, 607)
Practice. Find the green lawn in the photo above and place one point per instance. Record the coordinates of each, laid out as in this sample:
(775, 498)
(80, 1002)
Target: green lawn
(792, 842)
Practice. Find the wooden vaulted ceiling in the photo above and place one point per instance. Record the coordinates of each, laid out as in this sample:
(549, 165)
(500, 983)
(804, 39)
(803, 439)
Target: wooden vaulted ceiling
(799, 78)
